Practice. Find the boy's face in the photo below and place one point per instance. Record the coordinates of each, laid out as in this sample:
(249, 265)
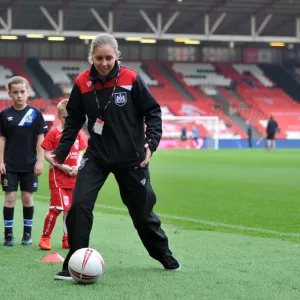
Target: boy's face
(62, 117)
(19, 93)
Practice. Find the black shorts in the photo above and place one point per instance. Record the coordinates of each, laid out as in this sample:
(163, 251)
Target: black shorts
(28, 182)
(271, 136)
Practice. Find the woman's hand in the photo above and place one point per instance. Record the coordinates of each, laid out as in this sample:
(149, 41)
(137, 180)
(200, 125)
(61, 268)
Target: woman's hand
(147, 157)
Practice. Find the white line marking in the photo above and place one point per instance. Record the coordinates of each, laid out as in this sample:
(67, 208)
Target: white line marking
(200, 221)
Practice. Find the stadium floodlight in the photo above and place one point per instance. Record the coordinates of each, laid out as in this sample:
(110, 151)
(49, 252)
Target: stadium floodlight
(148, 41)
(192, 42)
(133, 38)
(180, 40)
(8, 37)
(35, 36)
(87, 37)
(56, 38)
(277, 44)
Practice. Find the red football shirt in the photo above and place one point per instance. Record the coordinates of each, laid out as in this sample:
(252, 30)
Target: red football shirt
(57, 178)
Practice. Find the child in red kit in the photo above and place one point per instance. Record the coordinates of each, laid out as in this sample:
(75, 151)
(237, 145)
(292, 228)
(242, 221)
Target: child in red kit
(61, 178)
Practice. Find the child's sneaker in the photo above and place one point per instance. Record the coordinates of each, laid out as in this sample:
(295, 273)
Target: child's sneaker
(44, 243)
(9, 239)
(65, 243)
(26, 240)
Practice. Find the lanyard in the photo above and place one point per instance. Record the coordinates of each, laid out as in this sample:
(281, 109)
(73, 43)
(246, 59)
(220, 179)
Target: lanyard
(110, 97)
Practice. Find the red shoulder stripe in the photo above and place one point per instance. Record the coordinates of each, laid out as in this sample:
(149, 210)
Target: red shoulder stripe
(126, 79)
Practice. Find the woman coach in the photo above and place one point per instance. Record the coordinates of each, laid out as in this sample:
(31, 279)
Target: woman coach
(117, 103)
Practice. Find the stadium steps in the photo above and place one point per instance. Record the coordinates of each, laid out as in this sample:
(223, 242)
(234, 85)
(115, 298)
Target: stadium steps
(235, 95)
(51, 88)
(14, 65)
(220, 98)
(145, 68)
(234, 100)
(35, 82)
(240, 122)
(236, 119)
(283, 80)
(165, 90)
(168, 74)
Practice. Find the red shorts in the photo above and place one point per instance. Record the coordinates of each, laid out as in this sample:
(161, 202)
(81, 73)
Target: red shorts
(61, 199)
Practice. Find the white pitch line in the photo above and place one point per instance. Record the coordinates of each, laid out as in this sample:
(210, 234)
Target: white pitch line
(200, 221)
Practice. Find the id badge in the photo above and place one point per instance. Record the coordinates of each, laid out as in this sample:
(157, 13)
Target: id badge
(98, 126)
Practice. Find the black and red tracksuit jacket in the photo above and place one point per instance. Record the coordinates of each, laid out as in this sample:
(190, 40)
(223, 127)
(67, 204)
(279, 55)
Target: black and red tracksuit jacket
(132, 105)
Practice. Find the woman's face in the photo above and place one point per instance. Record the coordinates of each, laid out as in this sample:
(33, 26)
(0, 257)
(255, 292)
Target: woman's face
(104, 58)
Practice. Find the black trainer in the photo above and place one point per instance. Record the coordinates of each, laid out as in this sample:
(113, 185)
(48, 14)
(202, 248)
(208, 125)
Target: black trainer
(26, 240)
(8, 239)
(169, 262)
(63, 275)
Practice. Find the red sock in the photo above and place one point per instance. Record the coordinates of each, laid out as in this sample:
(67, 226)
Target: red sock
(50, 222)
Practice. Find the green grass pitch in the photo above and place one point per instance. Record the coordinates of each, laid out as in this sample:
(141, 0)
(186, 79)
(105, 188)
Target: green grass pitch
(232, 217)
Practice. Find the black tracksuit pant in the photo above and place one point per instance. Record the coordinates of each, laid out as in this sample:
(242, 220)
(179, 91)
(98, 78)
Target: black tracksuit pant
(136, 193)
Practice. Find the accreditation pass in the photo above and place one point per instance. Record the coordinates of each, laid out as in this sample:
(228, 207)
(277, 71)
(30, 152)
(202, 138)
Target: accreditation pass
(98, 126)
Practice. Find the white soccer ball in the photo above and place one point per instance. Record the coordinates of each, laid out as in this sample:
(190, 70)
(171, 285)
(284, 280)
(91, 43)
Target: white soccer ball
(86, 265)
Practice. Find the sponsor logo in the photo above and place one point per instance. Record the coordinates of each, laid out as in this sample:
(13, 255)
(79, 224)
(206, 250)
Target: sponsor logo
(28, 119)
(76, 144)
(66, 200)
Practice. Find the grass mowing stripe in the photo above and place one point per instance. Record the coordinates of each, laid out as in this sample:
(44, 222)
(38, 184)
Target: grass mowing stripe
(199, 221)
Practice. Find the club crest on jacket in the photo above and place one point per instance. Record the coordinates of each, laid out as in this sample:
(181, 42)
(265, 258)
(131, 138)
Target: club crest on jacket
(120, 98)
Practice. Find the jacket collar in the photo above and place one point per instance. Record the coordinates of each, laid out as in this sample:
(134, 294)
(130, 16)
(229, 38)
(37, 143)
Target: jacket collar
(93, 75)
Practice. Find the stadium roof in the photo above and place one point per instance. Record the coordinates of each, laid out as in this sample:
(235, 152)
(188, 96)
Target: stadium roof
(214, 20)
